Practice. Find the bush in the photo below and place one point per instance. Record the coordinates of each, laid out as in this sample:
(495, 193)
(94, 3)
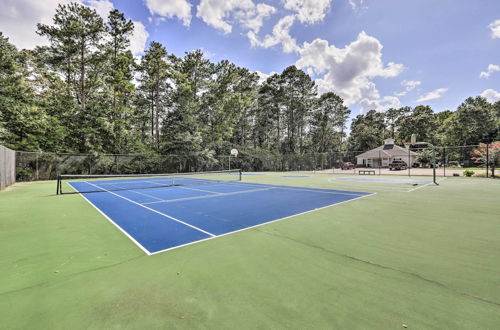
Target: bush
(468, 173)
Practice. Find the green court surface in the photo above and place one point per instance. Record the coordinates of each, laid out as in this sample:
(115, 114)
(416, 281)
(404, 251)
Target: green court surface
(421, 255)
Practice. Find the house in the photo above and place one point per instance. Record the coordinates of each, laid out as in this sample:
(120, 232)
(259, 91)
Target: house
(382, 156)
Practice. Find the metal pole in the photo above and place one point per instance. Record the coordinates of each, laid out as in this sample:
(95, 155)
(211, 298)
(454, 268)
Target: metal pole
(445, 161)
(409, 174)
(37, 174)
(230, 162)
(487, 159)
(434, 165)
(379, 163)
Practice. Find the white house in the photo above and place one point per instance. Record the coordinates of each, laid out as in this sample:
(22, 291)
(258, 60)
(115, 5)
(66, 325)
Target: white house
(382, 156)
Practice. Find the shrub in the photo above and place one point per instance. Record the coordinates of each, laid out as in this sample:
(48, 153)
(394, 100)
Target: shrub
(468, 173)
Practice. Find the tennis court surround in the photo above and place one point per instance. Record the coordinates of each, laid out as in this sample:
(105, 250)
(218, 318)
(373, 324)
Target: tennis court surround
(181, 210)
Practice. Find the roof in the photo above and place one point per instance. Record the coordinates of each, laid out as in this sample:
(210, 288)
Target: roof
(387, 150)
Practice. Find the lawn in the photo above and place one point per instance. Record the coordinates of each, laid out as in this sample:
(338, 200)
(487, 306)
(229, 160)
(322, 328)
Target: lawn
(426, 257)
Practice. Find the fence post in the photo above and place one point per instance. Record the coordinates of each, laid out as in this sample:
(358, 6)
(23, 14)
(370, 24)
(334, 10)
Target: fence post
(409, 159)
(487, 158)
(37, 175)
(445, 161)
(379, 163)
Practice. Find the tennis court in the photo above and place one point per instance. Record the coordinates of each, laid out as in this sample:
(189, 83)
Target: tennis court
(164, 212)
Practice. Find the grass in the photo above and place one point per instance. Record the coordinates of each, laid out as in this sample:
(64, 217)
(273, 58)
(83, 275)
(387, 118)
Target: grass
(426, 258)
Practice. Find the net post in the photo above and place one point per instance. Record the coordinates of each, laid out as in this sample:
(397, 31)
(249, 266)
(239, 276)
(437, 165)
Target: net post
(240, 174)
(58, 184)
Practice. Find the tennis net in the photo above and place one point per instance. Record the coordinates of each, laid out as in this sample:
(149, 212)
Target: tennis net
(77, 183)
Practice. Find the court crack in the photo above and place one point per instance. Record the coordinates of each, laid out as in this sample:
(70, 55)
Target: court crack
(415, 275)
(41, 284)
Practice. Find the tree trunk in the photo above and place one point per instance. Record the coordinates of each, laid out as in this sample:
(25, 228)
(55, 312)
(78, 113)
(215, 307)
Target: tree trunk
(82, 75)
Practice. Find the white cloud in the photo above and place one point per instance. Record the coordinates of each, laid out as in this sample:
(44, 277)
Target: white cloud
(495, 29)
(263, 76)
(409, 86)
(491, 95)
(357, 5)
(348, 71)
(102, 7)
(491, 68)
(138, 38)
(308, 11)
(382, 104)
(435, 94)
(220, 14)
(170, 8)
(18, 19)
(280, 35)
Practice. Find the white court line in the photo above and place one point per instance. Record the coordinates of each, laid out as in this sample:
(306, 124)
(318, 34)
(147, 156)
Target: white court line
(153, 210)
(208, 196)
(316, 190)
(209, 191)
(112, 222)
(258, 225)
(378, 187)
(137, 192)
(425, 185)
(111, 182)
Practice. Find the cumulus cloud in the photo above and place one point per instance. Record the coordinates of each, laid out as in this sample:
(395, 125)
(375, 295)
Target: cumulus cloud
(381, 104)
(263, 76)
(18, 19)
(491, 95)
(491, 68)
(308, 11)
(435, 94)
(495, 29)
(221, 14)
(102, 7)
(348, 71)
(138, 39)
(166, 9)
(280, 35)
(27, 13)
(409, 85)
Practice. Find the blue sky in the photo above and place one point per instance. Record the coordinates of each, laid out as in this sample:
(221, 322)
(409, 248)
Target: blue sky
(373, 53)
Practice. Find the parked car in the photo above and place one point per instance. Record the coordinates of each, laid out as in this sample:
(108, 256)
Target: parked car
(398, 165)
(347, 166)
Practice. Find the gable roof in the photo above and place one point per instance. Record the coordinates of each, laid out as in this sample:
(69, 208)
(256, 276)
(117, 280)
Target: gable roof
(386, 150)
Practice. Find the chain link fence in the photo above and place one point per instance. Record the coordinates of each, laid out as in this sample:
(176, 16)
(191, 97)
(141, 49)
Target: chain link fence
(476, 160)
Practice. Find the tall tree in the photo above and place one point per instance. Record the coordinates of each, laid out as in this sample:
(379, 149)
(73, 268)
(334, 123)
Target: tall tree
(473, 122)
(367, 131)
(119, 75)
(420, 121)
(392, 116)
(154, 87)
(268, 114)
(76, 42)
(299, 90)
(24, 125)
(330, 114)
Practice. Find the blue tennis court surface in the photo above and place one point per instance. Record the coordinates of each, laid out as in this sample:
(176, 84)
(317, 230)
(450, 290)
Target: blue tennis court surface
(159, 219)
(386, 180)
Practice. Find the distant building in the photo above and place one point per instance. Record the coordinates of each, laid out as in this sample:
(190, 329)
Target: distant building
(382, 156)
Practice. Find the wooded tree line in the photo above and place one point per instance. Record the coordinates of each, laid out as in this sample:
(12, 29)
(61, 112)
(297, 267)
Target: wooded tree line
(87, 93)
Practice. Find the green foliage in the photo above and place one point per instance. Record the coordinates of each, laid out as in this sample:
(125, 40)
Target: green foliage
(367, 131)
(84, 92)
(468, 173)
